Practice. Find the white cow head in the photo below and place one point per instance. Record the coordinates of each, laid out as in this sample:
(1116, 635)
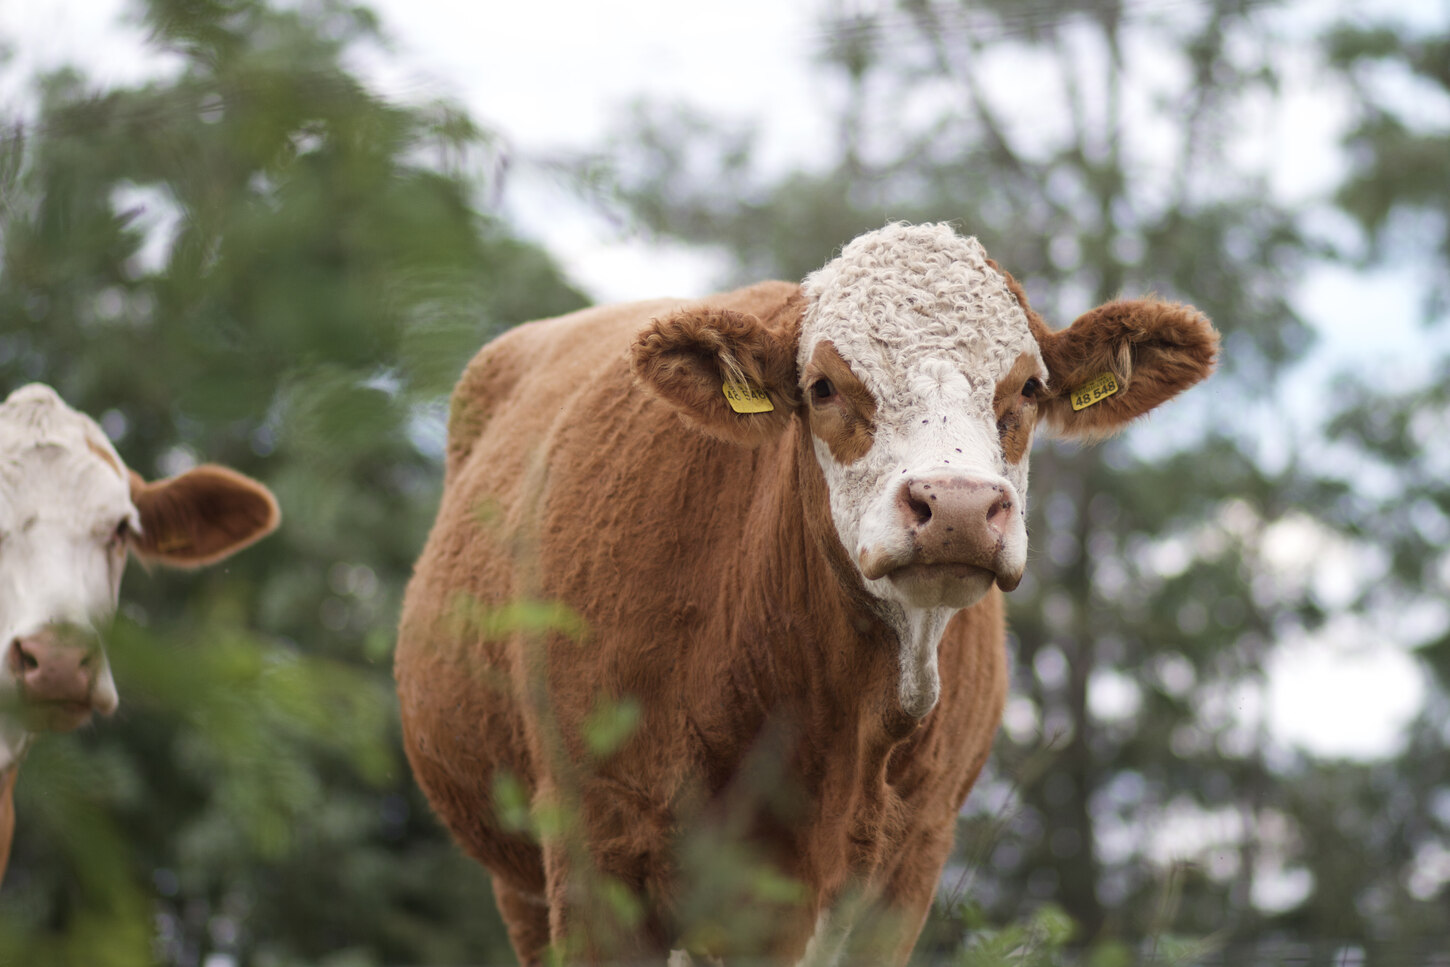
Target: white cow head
(70, 513)
(921, 374)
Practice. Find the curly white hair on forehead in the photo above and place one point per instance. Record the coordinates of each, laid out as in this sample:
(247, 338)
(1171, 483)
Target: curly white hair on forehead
(914, 291)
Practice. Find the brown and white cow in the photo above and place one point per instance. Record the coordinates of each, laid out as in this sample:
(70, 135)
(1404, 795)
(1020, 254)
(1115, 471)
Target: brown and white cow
(814, 582)
(70, 512)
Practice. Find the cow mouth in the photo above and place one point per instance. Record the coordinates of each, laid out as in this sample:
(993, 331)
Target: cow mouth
(64, 715)
(936, 572)
(942, 585)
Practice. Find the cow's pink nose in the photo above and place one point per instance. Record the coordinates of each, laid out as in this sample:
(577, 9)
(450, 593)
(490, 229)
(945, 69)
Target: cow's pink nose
(54, 667)
(948, 522)
(946, 510)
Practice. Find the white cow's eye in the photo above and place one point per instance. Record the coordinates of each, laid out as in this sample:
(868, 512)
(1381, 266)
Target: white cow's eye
(1031, 388)
(119, 535)
(822, 389)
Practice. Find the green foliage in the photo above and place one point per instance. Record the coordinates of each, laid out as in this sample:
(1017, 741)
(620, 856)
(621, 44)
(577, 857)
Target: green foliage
(526, 616)
(610, 725)
(255, 262)
(1036, 941)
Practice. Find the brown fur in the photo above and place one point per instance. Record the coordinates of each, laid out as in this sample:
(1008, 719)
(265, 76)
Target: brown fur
(201, 516)
(847, 421)
(715, 596)
(1016, 412)
(685, 358)
(7, 814)
(1154, 349)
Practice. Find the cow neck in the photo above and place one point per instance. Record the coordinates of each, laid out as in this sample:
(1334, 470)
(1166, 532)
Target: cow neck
(915, 633)
(801, 577)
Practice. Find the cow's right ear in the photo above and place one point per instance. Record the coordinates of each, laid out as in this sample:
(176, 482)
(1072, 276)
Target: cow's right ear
(201, 516)
(726, 372)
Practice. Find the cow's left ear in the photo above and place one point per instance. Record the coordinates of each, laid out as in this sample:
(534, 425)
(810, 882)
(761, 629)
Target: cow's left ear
(201, 516)
(1119, 361)
(725, 372)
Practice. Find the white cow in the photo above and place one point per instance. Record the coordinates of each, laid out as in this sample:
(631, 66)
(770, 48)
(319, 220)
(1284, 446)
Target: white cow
(70, 512)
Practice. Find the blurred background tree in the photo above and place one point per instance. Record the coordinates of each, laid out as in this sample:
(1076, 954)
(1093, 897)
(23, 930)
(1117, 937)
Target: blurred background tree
(257, 261)
(1388, 840)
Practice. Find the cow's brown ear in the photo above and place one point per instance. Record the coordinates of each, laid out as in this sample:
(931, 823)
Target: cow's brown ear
(201, 516)
(726, 372)
(1119, 361)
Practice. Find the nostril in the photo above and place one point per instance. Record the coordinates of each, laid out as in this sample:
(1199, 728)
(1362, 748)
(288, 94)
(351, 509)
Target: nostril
(21, 658)
(1000, 513)
(920, 510)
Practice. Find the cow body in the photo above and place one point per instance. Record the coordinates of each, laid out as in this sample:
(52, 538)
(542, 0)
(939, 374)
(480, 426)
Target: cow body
(798, 605)
(70, 515)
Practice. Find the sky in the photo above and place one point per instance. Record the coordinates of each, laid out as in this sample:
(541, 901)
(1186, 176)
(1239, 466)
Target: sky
(553, 77)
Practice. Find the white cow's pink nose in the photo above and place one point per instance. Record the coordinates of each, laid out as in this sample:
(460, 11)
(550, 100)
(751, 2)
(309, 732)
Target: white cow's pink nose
(59, 670)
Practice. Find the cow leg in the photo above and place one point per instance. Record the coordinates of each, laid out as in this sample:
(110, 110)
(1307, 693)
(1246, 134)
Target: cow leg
(602, 912)
(526, 915)
(880, 925)
(890, 929)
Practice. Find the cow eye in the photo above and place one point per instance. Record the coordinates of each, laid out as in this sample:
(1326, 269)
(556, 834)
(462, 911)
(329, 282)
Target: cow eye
(1031, 388)
(822, 389)
(119, 535)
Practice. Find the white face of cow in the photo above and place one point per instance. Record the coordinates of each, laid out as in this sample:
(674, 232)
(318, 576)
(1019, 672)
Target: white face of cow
(921, 375)
(916, 363)
(65, 511)
(70, 512)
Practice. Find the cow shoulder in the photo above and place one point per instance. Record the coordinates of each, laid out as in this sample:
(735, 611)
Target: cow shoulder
(524, 368)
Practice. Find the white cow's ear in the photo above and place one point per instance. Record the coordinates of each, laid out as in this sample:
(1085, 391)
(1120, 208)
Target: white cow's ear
(200, 516)
(726, 372)
(1120, 360)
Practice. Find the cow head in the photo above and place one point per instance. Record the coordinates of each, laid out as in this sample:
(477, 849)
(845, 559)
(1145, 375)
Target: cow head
(921, 374)
(70, 514)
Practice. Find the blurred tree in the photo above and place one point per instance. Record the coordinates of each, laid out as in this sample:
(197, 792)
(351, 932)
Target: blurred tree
(1389, 431)
(1097, 147)
(253, 260)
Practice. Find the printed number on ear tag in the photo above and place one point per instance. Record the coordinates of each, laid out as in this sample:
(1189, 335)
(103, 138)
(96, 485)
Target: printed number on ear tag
(1093, 391)
(746, 398)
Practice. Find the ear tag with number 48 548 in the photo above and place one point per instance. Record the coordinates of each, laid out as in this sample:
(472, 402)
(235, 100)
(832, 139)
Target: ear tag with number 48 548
(746, 397)
(1095, 390)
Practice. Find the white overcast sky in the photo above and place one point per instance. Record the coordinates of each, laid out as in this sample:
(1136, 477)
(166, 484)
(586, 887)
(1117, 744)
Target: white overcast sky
(552, 75)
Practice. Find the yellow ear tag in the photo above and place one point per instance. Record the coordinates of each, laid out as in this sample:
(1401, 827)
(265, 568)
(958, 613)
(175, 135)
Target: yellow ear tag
(746, 397)
(1093, 391)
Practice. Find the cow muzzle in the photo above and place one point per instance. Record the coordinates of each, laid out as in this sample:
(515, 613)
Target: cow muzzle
(953, 536)
(63, 677)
